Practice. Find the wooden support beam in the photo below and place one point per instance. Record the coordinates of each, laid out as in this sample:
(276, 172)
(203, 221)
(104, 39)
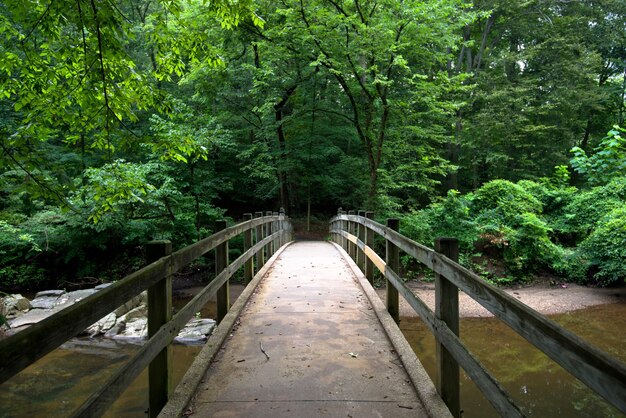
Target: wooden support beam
(221, 262)
(369, 241)
(260, 259)
(351, 246)
(268, 232)
(447, 310)
(275, 229)
(360, 233)
(393, 263)
(248, 268)
(159, 313)
(282, 225)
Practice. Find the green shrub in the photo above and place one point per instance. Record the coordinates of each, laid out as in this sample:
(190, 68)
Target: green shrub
(604, 250)
(511, 226)
(449, 217)
(580, 216)
(554, 200)
(530, 246)
(607, 161)
(502, 201)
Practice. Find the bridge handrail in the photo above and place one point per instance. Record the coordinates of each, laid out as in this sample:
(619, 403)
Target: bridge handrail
(602, 373)
(25, 347)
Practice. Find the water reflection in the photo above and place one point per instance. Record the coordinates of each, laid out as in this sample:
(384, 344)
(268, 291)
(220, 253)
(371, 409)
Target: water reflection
(537, 384)
(60, 382)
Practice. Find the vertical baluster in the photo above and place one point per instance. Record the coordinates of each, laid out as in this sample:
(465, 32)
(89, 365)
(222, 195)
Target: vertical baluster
(369, 241)
(393, 263)
(221, 262)
(248, 267)
(260, 260)
(447, 309)
(159, 313)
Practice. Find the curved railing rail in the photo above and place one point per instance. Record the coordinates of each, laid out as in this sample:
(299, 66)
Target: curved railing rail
(25, 347)
(602, 373)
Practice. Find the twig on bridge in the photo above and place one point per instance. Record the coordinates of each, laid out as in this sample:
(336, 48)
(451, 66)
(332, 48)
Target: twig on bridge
(262, 350)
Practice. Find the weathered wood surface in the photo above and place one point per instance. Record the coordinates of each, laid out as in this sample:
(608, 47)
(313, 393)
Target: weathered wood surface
(327, 350)
(393, 262)
(100, 401)
(493, 391)
(221, 261)
(248, 268)
(447, 310)
(24, 348)
(601, 372)
(369, 242)
(29, 345)
(159, 313)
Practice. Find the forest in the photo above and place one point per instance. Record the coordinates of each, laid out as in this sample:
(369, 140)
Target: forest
(498, 122)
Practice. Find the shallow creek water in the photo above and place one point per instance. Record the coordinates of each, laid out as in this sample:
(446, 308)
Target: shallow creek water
(61, 381)
(539, 386)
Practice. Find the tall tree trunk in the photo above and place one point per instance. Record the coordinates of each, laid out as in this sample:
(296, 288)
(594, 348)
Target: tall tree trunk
(282, 146)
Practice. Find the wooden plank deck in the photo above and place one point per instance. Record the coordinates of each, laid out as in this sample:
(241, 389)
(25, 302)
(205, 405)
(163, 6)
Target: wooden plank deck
(328, 353)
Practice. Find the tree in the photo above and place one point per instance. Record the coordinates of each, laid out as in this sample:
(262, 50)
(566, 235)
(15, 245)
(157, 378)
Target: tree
(375, 52)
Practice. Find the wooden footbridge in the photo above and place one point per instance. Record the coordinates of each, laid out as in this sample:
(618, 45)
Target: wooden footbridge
(309, 336)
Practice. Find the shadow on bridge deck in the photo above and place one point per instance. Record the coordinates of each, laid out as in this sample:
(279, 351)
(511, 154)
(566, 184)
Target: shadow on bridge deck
(312, 340)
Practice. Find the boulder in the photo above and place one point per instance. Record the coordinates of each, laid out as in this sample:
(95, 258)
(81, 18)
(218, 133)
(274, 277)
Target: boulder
(102, 326)
(31, 317)
(50, 293)
(13, 305)
(135, 328)
(46, 299)
(142, 298)
(196, 331)
(71, 298)
(127, 322)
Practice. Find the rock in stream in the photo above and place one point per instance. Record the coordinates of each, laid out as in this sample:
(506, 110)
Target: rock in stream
(127, 322)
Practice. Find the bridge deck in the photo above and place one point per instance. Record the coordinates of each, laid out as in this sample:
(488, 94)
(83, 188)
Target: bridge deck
(328, 353)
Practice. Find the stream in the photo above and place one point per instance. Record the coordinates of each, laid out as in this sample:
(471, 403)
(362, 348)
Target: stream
(61, 381)
(539, 386)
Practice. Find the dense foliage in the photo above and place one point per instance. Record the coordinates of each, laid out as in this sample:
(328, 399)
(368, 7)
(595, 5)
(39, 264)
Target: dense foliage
(532, 227)
(125, 121)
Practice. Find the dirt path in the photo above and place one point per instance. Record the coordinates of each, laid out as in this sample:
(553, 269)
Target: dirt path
(546, 299)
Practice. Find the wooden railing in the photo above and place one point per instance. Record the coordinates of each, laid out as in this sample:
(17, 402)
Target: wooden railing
(24, 348)
(599, 371)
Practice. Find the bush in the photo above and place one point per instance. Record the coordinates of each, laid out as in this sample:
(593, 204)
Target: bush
(448, 218)
(510, 224)
(605, 249)
(554, 200)
(530, 246)
(580, 216)
(502, 201)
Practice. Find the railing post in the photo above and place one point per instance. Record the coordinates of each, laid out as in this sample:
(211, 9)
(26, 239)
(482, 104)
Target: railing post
(351, 246)
(221, 262)
(343, 225)
(268, 232)
(247, 244)
(159, 313)
(281, 227)
(393, 263)
(260, 260)
(275, 245)
(447, 310)
(369, 241)
(337, 225)
(360, 233)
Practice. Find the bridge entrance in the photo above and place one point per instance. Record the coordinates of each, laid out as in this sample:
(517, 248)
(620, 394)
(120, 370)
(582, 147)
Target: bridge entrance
(310, 343)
